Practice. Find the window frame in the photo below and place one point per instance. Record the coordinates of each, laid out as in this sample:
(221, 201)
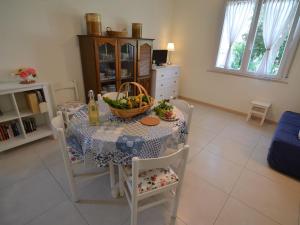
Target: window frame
(288, 55)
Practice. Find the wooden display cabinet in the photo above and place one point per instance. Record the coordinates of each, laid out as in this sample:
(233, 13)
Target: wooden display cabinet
(109, 62)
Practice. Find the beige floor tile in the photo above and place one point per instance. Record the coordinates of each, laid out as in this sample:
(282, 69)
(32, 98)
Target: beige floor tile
(215, 170)
(242, 134)
(258, 163)
(18, 164)
(273, 200)
(104, 212)
(62, 214)
(199, 138)
(156, 216)
(51, 154)
(29, 198)
(210, 122)
(230, 150)
(200, 202)
(97, 205)
(237, 213)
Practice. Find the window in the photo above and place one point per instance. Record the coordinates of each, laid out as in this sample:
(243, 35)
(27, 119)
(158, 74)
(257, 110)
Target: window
(259, 37)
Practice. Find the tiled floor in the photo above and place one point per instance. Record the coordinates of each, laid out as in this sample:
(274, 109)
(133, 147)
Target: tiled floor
(228, 182)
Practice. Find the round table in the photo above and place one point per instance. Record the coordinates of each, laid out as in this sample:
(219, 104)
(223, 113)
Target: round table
(119, 140)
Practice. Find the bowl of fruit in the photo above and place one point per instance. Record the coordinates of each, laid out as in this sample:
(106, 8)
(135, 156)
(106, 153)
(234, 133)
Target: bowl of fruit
(130, 106)
(164, 110)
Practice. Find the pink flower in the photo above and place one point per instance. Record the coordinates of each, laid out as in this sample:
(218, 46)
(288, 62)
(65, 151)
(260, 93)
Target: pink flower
(31, 70)
(24, 74)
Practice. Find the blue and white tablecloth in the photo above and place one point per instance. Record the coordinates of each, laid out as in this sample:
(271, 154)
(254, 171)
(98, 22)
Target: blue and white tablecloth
(119, 140)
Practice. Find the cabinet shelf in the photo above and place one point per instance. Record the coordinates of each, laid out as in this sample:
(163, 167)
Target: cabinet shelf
(8, 116)
(104, 82)
(27, 112)
(42, 131)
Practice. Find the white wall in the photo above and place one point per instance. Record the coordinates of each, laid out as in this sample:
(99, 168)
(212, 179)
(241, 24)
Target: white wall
(42, 33)
(195, 33)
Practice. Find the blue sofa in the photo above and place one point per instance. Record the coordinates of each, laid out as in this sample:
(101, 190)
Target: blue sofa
(284, 152)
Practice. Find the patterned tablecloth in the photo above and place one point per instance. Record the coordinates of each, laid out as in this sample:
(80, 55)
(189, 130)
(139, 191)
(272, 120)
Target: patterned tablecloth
(119, 140)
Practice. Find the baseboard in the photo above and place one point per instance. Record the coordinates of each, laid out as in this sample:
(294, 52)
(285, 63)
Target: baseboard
(221, 108)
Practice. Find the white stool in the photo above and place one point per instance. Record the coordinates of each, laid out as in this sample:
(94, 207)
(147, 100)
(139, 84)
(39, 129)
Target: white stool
(260, 109)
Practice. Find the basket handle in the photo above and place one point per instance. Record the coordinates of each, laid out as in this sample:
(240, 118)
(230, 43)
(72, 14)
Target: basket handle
(140, 88)
(144, 90)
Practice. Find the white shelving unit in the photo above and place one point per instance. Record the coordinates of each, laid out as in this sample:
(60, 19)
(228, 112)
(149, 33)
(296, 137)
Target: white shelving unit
(14, 108)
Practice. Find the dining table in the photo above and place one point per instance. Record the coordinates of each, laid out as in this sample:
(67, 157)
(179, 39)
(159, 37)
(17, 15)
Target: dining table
(118, 140)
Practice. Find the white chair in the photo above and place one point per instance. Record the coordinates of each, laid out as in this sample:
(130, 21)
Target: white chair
(71, 159)
(153, 177)
(186, 109)
(69, 107)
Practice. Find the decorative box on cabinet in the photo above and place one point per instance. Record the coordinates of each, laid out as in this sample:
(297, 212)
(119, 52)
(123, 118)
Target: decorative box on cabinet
(17, 111)
(109, 62)
(165, 82)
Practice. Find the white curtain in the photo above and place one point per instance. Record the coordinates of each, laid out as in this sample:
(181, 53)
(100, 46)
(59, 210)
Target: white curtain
(237, 16)
(277, 19)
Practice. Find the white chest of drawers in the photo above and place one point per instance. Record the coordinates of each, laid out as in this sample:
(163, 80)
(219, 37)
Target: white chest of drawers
(165, 82)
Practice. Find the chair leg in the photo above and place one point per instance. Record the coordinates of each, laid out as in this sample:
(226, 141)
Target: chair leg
(134, 212)
(175, 203)
(121, 182)
(113, 186)
(72, 184)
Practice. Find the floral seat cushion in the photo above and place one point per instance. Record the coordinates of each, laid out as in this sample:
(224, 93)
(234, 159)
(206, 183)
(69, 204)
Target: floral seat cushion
(154, 179)
(74, 155)
(74, 150)
(70, 107)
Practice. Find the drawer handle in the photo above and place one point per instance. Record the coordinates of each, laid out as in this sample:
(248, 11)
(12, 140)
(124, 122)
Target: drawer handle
(174, 91)
(162, 75)
(176, 73)
(161, 85)
(175, 81)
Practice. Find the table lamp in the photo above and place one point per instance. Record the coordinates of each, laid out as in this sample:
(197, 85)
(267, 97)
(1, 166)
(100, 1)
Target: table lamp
(171, 48)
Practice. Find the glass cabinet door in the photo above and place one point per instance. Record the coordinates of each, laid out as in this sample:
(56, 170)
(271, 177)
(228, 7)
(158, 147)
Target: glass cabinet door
(127, 69)
(107, 66)
(127, 60)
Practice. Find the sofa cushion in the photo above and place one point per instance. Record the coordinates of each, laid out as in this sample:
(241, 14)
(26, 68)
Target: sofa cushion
(284, 152)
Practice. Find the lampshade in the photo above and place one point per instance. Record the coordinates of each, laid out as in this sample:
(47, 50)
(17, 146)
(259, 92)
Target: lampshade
(171, 47)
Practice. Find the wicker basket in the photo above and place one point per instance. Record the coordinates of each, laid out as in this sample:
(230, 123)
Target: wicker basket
(112, 33)
(129, 113)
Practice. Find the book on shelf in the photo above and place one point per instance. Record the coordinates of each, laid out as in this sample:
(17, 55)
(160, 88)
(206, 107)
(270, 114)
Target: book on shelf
(9, 130)
(34, 99)
(29, 125)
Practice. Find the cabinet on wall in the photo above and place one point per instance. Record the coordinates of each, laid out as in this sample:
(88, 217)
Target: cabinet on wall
(109, 62)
